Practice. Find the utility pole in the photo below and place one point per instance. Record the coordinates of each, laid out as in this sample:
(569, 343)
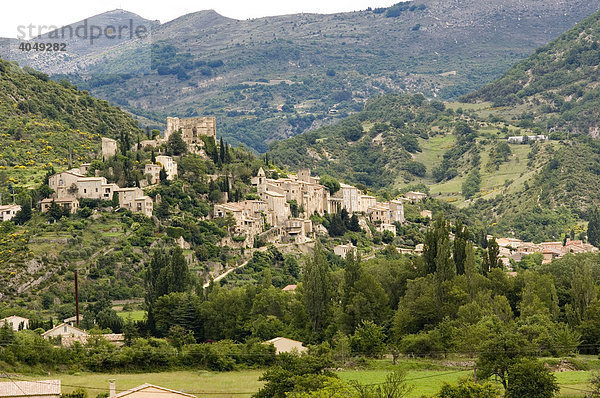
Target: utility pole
(76, 300)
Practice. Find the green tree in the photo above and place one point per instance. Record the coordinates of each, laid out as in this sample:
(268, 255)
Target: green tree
(162, 175)
(331, 183)
(530, 378)
(317, 290)
(354, 226)
(468, 389)
(387, 237)
(593, 230)
(24, 214)
(368, 340)
(444, 266)
(295, 374)
(500, 349)
(471, 185)
(55, 211)
(461, 238)
(490, 257)
(336, 226)
(176, 145)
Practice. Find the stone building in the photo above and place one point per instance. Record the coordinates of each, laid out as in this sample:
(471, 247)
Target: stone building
(109, 148)
(192, 130)
(8, 212)
(387, 212)
(65, 183)
(350, 197)
(415, 196)
(248, 215)
(133, 199)
(343, 250)
(71, 185)
(152, 171)
(69, 203)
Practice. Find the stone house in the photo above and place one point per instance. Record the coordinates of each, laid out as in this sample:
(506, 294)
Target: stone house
(65, 183)
(426, 214)
(520, 139)
(90, 187)
(69, 203)
(387, 212)
(8, 212)
(414, 196)
(365, 202)
(67, 334)
(143, 204)
(127, 197)
(248, 216)
(169, 165)
(297, 229)
(15, 322)
(277, 208)
(343, 250)
(153, 172)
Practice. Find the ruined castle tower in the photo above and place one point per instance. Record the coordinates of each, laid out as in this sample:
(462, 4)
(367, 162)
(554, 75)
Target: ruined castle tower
(192, 129)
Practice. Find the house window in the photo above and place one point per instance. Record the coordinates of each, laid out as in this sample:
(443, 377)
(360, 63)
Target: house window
(65, 328)
(84, 190)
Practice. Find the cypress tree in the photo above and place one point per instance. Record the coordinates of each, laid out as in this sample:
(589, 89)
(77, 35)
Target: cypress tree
(458, 250)
(222, 151)
(317, 291)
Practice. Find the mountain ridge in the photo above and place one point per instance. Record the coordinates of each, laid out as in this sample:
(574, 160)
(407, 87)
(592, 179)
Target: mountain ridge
(330, 64)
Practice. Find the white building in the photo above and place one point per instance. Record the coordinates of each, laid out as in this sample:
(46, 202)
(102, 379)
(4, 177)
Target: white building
(8, 212)
(343, 250)
(520, 139)
(67, 334)
(169, 165)
(16, 322)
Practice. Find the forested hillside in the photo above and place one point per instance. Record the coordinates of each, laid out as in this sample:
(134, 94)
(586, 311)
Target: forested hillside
(558, 85)
(42, 121)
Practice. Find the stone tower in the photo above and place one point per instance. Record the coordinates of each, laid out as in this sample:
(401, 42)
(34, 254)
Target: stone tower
(261, 186)
(109, 148)
(192, 130)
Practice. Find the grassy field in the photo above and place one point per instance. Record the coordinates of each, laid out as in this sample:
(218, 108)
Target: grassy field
(425, 376)
(508, 178)
(134, 315)
(201, 383)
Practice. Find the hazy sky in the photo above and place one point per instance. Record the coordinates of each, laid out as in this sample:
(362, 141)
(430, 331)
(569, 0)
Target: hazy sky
(63, 12)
